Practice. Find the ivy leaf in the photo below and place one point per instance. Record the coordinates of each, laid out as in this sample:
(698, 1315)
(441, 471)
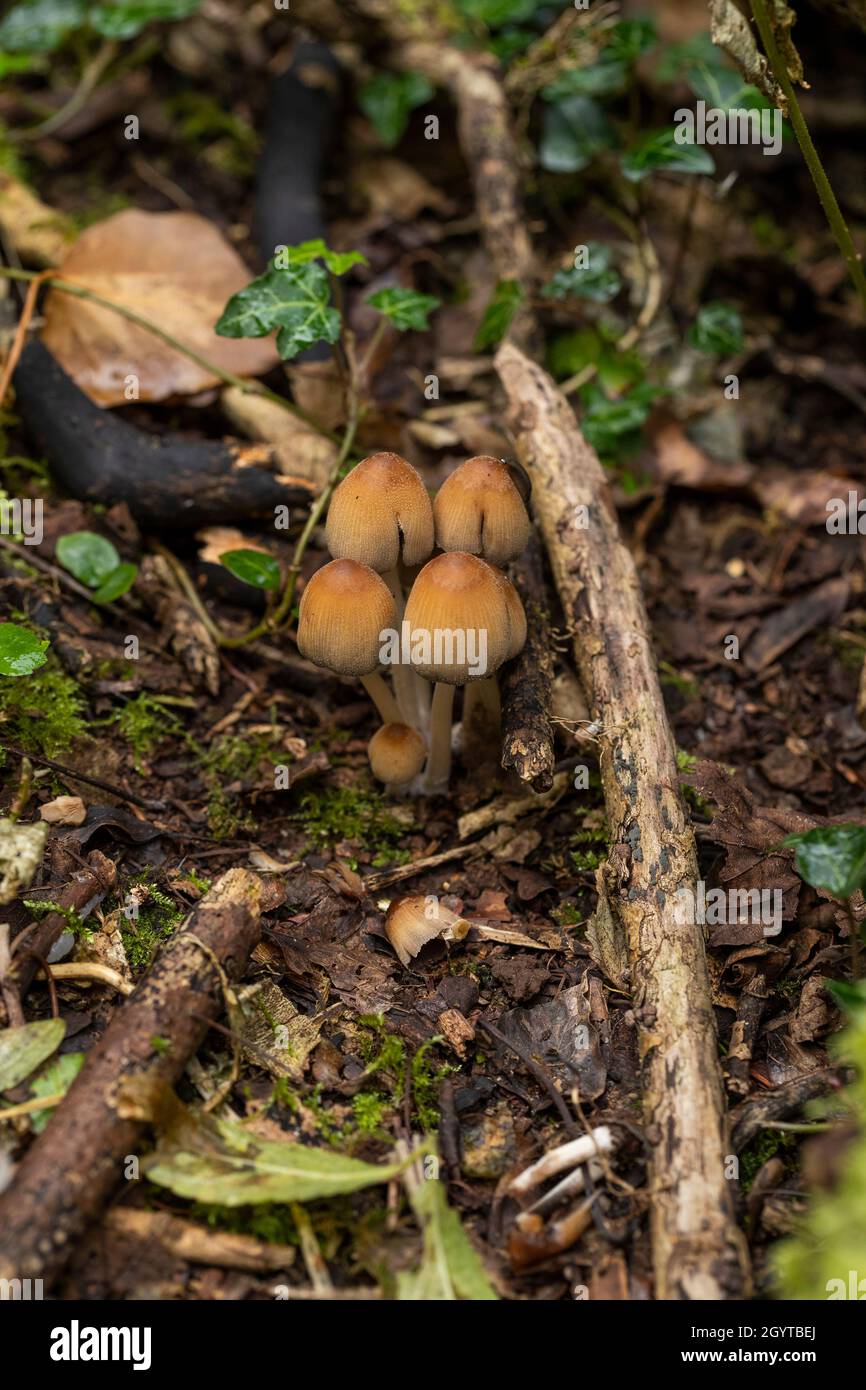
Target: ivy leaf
(24, 1049)
(40, 26)
(90, 558)
(609, 425)
(832, 857)
(602, 79)
(629, 38)
(596, 280)
(338, 262)
(387, 100)
(21, 651)
(404, 308)
(498, 316)
(296, 302)
(660, 150)
(252, 567)
(718, 328)
(125, 20)
(574, 132)
(115, 584)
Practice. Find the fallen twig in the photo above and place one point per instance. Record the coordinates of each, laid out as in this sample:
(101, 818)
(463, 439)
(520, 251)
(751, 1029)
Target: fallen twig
(698, 1249)
(48, 1205)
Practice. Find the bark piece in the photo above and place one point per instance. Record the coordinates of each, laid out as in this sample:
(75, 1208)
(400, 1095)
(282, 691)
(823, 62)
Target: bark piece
(85, 889)
(70, 1171)
(698, 1251)
(526, 683)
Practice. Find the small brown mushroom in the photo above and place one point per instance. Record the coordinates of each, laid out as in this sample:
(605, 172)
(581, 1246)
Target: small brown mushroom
(344, 610)
(411, 922)
(396, 753)
(479, 510)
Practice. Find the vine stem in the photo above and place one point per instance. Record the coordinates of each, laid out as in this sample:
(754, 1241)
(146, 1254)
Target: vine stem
(249, 388)
(833, 212)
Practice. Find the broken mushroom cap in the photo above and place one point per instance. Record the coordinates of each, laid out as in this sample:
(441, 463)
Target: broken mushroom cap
(411, 922)
(479, 510)
(380, 514)
(396, 753)
(344, 610)
(458, 617)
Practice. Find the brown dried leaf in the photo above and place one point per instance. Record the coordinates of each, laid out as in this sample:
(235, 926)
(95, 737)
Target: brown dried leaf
(175, 269)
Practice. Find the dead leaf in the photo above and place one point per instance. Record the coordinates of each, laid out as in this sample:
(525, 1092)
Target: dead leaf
(783, 629)
(64, 810)
(175, 269)
(40, 235)
(561, 1036)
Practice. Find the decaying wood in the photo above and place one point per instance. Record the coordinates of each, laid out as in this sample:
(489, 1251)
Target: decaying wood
(750, 1011)
(181, 624)
(526, 683)
(748, 1118)
(698, 1251)
(166, 480)
(49, 1203)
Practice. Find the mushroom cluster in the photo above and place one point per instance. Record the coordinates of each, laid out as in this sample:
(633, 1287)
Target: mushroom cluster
(450, 621)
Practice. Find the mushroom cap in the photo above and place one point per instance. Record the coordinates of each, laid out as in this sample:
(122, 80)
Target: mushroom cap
(396, 753)
(411, 922)
(344, 610)
(516, 618)
(479, 510)
(379, 514)
(456, 595)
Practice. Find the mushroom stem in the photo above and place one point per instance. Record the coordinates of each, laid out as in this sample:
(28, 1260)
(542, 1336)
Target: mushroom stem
(481, 718)
(438, 768)
(409, 688)
(376, 688)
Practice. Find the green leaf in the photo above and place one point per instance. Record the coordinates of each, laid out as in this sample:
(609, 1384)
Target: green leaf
(660, 150)
(595, 280)
(494, 13)
(15, 62)
(127, 18)
(40, 26)
(718, 328)
(296, 302)
(450, 1267)
(89, 557)
(24, 1049)
(704, 67)
(629, 38)
(114, 585)
(253, 567)
(608, 424)
(404, 308)
(571, 352)
(832, 857)
(574, 132)
(338, 262)
(212, 1160)
(55, 1080)
(388, 99)
(497, 317)
(849, 996)
(602, 79)
(21, 651)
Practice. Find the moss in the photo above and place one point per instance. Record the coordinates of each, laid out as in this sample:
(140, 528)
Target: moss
(144, 721)
(157, 919)
(358, 814)
(567, 915)
(42, 713)
(768, 1143)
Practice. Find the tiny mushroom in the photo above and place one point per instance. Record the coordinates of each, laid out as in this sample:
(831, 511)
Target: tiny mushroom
(379, 515)
(478, 509)
(411, 922)
(343, 610)
(396, 753)
(460, 631)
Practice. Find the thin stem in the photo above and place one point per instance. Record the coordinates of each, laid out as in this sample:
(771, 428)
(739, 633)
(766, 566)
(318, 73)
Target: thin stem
(438, 768)
(90, 78)
(838, 225)
(379, 693)
(249, 388)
